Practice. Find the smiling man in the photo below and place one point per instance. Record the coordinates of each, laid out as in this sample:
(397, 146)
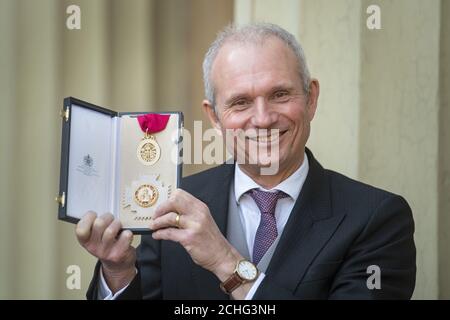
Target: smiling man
(300, 232)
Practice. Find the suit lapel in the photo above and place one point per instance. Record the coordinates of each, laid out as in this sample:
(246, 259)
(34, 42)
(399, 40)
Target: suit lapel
(309, 227)
(215, 195)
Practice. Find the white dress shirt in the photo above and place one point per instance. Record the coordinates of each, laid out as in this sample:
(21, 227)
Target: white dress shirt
(249, 214)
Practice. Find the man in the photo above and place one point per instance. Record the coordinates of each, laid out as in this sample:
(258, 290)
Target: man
(301, 232)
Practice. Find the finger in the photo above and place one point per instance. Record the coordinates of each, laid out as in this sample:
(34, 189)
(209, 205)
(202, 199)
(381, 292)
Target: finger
(172, 234)
(180, 201)
(100, 224)
(124, 242)
(84, 226)
(165, 207)
(166, 221)
(111, 232)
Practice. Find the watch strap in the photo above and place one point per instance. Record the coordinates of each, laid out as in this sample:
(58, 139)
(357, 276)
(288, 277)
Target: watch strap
(232, 283)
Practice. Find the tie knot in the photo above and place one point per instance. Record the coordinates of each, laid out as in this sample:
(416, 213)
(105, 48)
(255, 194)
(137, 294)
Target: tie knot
(265, 200)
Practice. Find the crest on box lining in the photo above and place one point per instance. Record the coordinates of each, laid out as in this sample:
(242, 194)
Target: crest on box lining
(87, 166)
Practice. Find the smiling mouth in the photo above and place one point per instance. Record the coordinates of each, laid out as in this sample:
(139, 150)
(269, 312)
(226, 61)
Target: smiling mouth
(267, 138)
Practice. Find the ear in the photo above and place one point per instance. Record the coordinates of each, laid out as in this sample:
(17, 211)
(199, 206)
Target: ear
(208, 109)
(314, 90)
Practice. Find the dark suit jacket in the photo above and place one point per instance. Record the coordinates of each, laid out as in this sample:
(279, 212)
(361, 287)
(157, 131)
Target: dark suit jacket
(337, 229)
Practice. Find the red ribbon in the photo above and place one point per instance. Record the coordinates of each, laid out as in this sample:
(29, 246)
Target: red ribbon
(153, 122)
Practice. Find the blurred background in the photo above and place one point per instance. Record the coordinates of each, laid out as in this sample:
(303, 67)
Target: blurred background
(383, 115)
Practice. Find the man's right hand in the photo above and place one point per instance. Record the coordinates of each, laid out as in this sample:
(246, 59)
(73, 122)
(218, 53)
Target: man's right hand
(100, 237)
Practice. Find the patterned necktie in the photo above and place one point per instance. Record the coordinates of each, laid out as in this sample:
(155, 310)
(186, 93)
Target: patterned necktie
(267, 229)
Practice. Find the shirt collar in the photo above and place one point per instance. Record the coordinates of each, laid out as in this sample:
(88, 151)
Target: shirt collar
(291, 186)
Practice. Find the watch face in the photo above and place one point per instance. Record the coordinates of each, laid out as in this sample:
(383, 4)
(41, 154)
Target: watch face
(247, 270)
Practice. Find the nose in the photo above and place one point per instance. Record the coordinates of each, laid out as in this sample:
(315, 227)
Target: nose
(263, 114)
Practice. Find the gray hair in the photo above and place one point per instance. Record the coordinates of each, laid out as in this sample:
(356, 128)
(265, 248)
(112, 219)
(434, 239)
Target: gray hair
(253, 33)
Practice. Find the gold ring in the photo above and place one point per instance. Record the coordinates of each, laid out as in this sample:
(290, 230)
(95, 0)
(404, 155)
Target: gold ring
(177, 221)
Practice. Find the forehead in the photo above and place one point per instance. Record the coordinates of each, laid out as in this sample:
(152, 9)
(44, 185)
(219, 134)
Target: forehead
(254, 67)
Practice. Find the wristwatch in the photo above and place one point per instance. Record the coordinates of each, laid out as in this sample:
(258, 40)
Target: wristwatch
(244, 272)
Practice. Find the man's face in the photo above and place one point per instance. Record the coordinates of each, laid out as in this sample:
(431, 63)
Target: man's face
(257, 87)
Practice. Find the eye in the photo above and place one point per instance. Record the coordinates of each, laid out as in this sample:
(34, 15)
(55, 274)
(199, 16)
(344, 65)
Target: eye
(240, 103)
(280, 96)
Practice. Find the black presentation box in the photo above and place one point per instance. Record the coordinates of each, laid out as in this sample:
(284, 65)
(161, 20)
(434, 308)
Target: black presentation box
(109, 164)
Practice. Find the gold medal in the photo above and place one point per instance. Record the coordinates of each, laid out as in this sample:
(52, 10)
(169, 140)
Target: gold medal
(146, 195)
(143, 195)
(148, 150)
